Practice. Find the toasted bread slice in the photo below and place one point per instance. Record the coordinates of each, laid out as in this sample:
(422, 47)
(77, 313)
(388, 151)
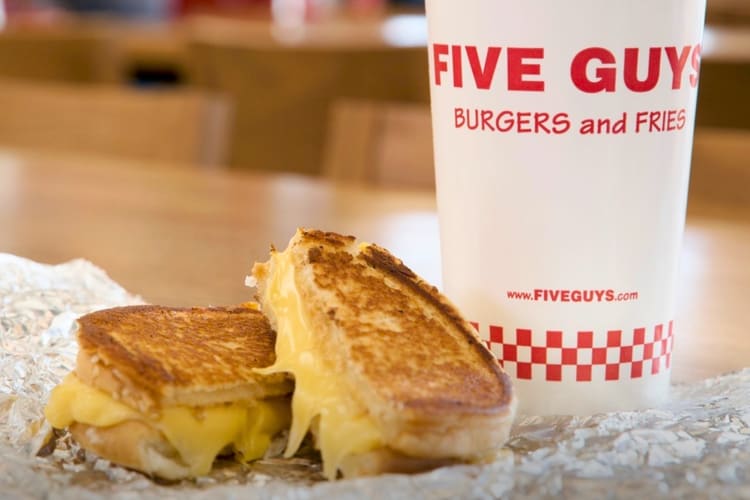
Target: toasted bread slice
(397, 354)
(155, 356)
(133, 444)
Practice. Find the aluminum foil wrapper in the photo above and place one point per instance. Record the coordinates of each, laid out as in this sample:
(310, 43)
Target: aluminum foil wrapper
(696, 446)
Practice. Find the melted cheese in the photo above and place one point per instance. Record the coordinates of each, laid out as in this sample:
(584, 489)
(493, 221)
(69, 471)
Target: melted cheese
(73, 400)
(342, 427)
(198, 434)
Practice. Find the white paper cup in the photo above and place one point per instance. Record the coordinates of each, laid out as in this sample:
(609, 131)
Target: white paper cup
(563, 133)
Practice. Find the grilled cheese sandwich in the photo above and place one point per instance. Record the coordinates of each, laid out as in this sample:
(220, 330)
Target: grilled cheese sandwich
(388, 375)
(172, 426)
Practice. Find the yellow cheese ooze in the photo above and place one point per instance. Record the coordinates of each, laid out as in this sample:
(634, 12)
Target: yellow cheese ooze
(74, 401)
(264, 420)
(343, 427)
(198, 438)
(198, 434)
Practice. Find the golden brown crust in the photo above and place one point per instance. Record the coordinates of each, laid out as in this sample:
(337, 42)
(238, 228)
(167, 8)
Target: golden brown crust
(404, 351)
(454, 371)
(161, 356)
(494, 395)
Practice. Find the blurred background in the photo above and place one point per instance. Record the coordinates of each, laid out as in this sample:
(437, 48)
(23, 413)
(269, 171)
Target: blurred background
(170, 141)
(332, 88)
(272, 85)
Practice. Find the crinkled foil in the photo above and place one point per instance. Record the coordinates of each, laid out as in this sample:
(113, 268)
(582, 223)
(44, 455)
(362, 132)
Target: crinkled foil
(696, 446)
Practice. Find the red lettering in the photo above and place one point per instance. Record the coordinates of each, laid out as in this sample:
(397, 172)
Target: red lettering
(458, 74)
(486, 117)
(524, 122)
(640, 119)
(605, 75)
(671, 118)
(483, 75)
(517, 69)
(667, 120)
(695, 62)
(440, 66)
(540, 120)
(592, 70)
(506, 119)
(459, 119)
(653, 121)
(630, 69)
(469, 114)
(677, 63)
(561, 123)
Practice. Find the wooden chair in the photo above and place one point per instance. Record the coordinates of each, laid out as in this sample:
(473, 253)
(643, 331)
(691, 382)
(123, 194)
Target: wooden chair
(724, 78)
(162, 125)
(61, 54)
(720, 170)
(380, 143)
(736, 12)
(282, 94)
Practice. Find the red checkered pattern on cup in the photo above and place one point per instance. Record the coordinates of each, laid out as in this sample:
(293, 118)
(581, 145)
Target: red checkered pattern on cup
(619, 355)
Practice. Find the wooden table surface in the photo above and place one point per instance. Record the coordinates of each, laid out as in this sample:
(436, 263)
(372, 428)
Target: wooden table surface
(181, 236)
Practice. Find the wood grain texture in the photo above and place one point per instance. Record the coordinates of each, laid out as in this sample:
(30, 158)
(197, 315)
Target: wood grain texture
(282, 95)
(189, 237)
(58, 54)
(380, 143)
(168, 125)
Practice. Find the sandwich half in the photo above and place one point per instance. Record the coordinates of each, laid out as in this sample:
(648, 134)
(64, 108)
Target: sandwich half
(165, 390)
(389, 377)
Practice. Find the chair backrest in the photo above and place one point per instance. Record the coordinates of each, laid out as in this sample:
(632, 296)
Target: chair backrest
(728, 12)
(720, 169)
(282, 94)
(387, 144)
(162, 125)
(63, 55)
